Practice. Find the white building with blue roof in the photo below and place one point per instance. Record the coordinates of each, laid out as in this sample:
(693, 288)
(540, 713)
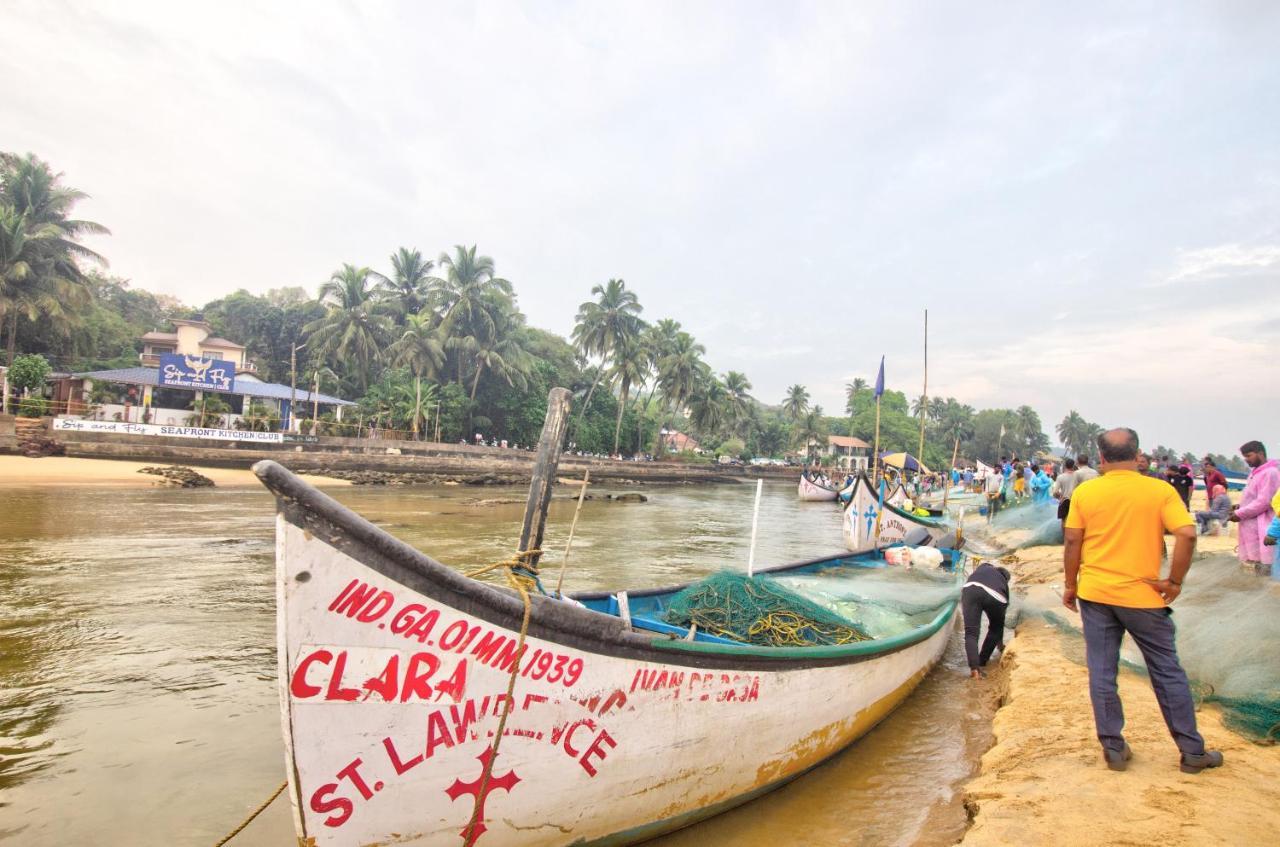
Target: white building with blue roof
(177, 374)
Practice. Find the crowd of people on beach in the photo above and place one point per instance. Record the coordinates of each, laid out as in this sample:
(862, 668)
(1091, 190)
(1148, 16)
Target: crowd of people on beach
(1256, 513)
(1114, 521)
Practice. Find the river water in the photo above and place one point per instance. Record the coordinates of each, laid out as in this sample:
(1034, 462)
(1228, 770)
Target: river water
(137, 661)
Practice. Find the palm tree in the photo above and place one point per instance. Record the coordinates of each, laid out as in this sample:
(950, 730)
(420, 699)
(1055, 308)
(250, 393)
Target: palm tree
(499, 352)
(738, 402)
(419, 347)
(352, 331)
(918, 405)
(658, 340)
(956, 422)
(796, 403)
(852, 390)
(39, 274)
(1074, 431)
(630, 368)
(707, 406)
(605, 324)
(1029, 428)
(407, 289)
(466, 295)
(811, 428)
(680, 369)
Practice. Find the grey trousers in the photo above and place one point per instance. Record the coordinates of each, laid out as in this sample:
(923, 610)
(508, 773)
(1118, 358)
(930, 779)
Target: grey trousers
(1152, 631)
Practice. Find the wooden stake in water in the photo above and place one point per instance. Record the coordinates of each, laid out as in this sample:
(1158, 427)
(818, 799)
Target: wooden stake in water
(544, 472)
(755, 523)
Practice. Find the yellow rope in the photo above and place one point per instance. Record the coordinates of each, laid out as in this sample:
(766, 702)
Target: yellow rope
(233, 833)
(521, 582)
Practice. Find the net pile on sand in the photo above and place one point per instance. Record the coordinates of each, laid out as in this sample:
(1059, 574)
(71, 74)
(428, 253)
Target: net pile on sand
(757, 610)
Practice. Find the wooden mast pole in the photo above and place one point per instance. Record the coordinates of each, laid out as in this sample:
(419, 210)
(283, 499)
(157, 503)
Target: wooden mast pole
(875, 453)
(544, 472)
(946, 483)
(924, 403)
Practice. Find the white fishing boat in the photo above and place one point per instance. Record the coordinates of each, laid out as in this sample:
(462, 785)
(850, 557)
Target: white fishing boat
(815, 491)
(868, 524)
(395, 672)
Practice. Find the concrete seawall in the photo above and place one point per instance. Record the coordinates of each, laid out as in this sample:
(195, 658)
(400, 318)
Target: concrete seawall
(8, 436)
(376, 456)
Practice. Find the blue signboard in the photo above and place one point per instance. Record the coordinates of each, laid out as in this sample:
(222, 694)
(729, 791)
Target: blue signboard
(181, 371)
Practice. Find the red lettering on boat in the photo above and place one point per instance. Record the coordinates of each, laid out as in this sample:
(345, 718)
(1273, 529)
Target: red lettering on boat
(456, 685)
(573, 728)
(437, 734)
(385, 684)
(352, 773)
(463, 719)
(415, 679)
(453, 634)
(405, 617)
(422, 627)
(376, 608)
(400, 767)
(596, 749)
(354, 599)
(298, 685)
(323, 802)
(335, 690)
(336, 600)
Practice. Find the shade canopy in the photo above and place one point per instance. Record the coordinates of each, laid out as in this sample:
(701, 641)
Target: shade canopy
(902, 461)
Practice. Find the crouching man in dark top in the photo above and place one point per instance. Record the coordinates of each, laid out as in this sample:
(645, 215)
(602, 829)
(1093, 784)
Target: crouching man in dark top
(986, 593)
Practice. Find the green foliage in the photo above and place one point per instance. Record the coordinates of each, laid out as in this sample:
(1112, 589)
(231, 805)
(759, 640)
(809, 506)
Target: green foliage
(40, 253)
(734, 446)
(257, 417)
(29, 372)
(33, 407)
(268, 326)
(209, 413)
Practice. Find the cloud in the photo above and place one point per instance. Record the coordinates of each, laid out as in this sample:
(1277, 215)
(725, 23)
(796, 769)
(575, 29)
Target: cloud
(1208, 264)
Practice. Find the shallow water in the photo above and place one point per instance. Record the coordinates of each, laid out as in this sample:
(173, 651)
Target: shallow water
(137, 659)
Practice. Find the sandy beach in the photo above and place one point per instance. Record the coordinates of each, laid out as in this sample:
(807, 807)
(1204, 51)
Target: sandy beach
(21, 472)
(1044, 782)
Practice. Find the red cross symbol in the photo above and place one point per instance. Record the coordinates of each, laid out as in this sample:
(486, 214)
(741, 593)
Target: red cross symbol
(506, 782)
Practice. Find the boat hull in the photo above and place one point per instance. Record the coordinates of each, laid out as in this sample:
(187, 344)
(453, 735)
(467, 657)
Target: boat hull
(811, 491)
(867, 525)
(393, 677)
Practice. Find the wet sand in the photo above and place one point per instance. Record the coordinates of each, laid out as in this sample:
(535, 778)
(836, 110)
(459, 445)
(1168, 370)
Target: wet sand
(21, 472)
(1044, 781)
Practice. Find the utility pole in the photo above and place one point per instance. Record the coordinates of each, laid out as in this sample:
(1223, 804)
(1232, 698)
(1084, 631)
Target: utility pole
(315, 406)
(293, 382)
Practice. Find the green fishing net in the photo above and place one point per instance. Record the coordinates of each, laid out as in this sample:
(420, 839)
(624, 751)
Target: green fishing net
(756, 610)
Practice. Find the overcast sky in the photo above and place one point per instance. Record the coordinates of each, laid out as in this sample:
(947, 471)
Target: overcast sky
(1087, 200)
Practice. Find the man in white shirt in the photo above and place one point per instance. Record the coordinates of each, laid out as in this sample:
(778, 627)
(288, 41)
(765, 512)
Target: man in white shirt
(994, 488)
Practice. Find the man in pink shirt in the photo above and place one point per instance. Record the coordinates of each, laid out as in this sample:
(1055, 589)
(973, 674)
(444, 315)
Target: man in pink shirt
(1254, 510)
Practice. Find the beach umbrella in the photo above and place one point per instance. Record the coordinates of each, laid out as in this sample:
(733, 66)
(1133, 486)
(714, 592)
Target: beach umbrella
(902, 461)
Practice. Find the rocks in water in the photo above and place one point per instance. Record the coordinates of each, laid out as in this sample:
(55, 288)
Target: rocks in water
(179, 476)
(371, 477)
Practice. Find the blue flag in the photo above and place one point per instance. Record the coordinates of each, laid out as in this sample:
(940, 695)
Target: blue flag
(880, 379)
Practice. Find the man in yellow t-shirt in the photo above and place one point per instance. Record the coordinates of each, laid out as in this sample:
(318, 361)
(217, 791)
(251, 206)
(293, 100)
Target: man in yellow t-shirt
(1114, 543)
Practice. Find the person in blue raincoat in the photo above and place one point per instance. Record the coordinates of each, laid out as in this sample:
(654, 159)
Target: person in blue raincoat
(1040, 484)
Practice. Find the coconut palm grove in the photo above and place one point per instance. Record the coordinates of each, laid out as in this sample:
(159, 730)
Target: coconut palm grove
(432, 343)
